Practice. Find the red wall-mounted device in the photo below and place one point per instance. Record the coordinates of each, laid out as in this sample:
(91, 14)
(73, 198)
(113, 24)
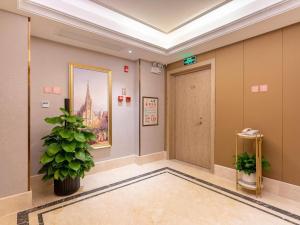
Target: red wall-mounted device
(126, 69)
(128, 99)
(120, 98)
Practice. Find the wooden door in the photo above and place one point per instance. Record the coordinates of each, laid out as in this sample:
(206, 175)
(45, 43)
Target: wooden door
(193, 118)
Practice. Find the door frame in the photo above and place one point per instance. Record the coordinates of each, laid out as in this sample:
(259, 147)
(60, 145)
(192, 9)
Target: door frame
(170, 105)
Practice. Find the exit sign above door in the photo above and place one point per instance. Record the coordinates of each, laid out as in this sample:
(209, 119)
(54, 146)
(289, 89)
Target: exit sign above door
(190, 60)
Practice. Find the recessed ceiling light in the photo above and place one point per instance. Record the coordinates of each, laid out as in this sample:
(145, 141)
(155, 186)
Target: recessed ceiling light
(129, 51)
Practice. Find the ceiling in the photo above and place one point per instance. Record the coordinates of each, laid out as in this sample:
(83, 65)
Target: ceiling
(93, 25)
(164, 15)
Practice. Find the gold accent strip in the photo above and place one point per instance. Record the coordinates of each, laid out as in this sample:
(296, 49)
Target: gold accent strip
(29, 101)
(71, 94)
(139, 75)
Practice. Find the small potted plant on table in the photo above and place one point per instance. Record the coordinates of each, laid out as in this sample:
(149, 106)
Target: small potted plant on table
(246, 164)
(67, 155)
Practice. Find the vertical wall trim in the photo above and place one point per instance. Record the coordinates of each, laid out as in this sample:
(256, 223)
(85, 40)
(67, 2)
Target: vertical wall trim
(28, 93)
(243, 122)
(282, 107)
(139, 71)
(166, 100)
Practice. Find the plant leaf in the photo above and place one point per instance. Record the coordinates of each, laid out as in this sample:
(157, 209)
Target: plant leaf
(80, 155)
(64, 172)
(79, 137)
(56, 174)
(69, 156)
(46, 158)
(89, 136)
(53, 149)
(59, 158)
(71, 119)
(72, 174)
(50, 171)
(44, 169)
(69, 147)
(64, 111)
(53, 120)
(74, 165)
(65, 133)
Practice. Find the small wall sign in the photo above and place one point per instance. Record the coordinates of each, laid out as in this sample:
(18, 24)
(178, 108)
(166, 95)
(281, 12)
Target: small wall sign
(45, 104)
(263, 88)
(254, 88)
(190, 60)
(150, 111)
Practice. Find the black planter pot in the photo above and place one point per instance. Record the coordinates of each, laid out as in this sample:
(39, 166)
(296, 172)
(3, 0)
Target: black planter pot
(66, 187)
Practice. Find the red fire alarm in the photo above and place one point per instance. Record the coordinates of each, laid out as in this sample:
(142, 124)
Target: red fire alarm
(128, 99)
(126, 69)
(120, 98)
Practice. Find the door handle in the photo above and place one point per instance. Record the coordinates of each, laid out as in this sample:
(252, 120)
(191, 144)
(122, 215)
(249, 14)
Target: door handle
(200, 121)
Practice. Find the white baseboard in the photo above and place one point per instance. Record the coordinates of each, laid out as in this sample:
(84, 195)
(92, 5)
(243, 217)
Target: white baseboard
(15, 203)
(123, 161)
(275, 187)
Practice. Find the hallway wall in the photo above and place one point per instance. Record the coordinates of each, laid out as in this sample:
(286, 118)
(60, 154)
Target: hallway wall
(13, 104)
(271, 59)
(50, 68)
(152, 85)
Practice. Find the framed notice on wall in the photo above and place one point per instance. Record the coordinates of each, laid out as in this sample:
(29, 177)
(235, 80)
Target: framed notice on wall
(150, 111)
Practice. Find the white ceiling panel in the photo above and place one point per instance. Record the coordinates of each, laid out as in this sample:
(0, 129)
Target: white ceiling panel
(164, 15)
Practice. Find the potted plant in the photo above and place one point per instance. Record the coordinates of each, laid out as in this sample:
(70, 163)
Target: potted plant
(246, 164)
(67, 156)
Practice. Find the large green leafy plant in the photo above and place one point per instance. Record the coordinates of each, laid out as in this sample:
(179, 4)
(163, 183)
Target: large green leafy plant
(67, 148)
(247, 163)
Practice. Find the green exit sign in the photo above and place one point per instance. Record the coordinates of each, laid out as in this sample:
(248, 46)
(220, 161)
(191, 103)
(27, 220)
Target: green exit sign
(190, 60)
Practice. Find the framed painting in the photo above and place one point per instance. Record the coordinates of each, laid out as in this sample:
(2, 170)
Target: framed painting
(90, 97)
(150, 111)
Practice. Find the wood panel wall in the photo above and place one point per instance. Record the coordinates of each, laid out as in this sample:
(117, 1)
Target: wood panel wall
(291, 106)
(272, 59)
(263, 110)
(229, 101)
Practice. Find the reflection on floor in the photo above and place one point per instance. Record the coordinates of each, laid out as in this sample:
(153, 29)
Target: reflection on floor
(163, 192)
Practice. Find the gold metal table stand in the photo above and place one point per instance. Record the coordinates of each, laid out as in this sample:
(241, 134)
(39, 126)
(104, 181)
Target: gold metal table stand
(258, 138)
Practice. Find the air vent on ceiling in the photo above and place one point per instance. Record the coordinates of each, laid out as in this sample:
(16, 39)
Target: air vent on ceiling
(89, 40)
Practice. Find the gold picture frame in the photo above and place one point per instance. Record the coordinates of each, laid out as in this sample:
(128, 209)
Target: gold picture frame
(102, 140)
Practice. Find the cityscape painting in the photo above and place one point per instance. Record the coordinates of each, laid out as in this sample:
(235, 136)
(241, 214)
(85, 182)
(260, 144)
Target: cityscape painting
(90, 94)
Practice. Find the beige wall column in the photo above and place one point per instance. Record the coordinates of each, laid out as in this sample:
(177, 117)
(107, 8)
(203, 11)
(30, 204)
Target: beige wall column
(14, 104)
(152, 85)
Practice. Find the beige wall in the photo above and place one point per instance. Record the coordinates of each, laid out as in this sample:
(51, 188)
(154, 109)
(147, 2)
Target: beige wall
(13, 104)
(271, 59)
(152, 85)
(50, 68)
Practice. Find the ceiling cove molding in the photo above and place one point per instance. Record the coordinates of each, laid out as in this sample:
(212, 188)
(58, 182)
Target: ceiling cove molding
(259, 16)
(40, 10)
(253, 18)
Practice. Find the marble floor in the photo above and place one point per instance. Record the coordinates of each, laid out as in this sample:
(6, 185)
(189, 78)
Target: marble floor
(163, 193)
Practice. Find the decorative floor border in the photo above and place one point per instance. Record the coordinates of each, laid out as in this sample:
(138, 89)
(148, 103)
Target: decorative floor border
(23, 217)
